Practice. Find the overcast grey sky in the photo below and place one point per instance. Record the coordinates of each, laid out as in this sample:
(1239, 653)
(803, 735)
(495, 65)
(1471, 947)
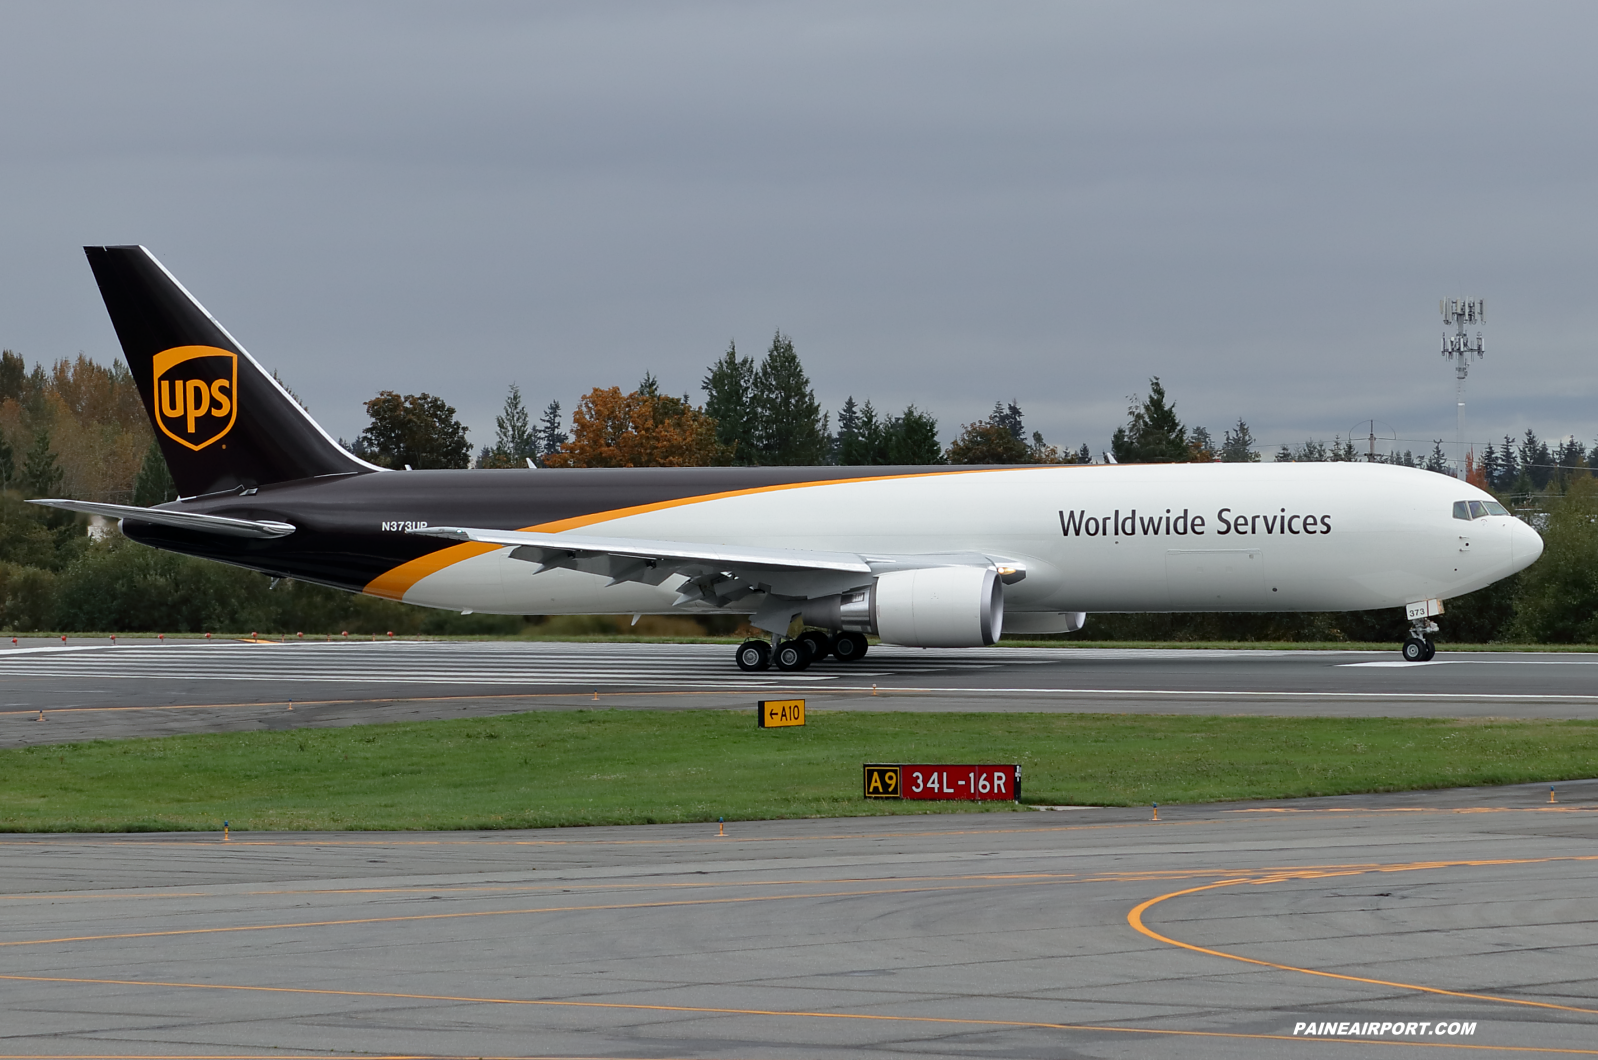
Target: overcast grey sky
(942, 204)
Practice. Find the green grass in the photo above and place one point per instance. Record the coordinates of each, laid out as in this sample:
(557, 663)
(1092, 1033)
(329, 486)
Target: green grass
(625, 767)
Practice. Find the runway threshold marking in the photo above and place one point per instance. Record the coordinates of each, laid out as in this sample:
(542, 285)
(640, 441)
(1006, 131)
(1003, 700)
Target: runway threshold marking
(719, 1011)
(1135, 919)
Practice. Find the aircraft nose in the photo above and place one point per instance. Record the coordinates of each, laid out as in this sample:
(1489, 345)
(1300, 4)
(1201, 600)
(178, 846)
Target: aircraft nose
(1525, 544)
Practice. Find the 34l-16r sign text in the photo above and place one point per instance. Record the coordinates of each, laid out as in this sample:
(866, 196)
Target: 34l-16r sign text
(983, 783)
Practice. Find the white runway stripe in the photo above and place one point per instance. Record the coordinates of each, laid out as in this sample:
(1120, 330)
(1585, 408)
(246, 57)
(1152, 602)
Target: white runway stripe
(482, 665)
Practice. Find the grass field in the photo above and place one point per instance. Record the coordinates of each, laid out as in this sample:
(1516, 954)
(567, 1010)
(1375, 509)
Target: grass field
(627, 767)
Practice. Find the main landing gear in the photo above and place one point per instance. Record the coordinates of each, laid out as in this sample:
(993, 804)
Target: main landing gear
(797, 654)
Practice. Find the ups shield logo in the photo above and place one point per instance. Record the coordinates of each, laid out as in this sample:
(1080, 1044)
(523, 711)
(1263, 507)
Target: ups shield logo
(196, 394)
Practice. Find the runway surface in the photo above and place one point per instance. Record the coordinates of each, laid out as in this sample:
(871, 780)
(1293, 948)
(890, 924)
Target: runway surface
(1251, 930)
(150, 688)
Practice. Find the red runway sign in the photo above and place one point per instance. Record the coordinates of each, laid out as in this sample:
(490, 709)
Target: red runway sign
(986, 783)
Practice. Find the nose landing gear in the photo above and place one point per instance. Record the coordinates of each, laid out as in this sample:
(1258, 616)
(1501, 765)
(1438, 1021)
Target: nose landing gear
(1418, 650)
(1416, 647)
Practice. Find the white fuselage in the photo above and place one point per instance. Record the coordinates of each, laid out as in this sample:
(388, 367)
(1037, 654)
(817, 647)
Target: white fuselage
(1156, 537)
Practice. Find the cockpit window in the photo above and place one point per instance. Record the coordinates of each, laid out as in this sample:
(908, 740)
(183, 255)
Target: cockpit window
(1478, 509)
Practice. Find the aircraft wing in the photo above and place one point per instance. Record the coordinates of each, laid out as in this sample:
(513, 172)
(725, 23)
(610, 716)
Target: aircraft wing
(554, 550)
(209, 524)
(711, 575)
(716, 576)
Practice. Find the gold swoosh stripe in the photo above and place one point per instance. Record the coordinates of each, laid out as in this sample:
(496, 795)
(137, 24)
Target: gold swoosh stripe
(395, 583)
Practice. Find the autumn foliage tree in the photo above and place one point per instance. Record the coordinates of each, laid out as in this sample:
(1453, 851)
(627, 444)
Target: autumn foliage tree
(1001, 439)
(613, 429)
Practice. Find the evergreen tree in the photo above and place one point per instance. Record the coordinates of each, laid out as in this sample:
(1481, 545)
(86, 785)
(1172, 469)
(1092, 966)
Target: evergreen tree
(867, 443)
(1438, 461)
(1237, 447)
(729, 400)
(154, 484)
(8, 463)
(550, 436)
(1535, 460)
(13, 375)
(1490, 466)
(515, 440)
(913, 439)
(1153, 434)
(1284, 455)
(1084, 455)
(649, 386)
(1509, 466)
(1571, 460)
(859, 434)
(1008, 416)
(1200, 446)
(788, 427)
(848, 431)
(40, 475)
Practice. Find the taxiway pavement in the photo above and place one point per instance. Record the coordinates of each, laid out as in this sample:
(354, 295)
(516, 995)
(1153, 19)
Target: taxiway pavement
(146, 688)
(1216, 932)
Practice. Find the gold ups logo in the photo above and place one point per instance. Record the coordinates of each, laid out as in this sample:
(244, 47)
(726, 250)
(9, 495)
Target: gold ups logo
(196, 391)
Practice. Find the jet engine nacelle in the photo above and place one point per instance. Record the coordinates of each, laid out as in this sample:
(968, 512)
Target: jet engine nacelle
(934, 607)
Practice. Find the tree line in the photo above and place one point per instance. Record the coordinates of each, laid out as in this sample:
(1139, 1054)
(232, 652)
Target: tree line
(754, 413)
(78, 429)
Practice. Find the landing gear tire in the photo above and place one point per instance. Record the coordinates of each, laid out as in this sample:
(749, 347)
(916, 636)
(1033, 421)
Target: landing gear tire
(754, 655)
(849, 646)
(1431, 649)
(818, 643)
(1417, 650)
(791, 655)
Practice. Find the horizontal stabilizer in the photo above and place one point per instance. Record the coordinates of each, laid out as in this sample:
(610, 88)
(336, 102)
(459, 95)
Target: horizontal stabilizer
(208, 524)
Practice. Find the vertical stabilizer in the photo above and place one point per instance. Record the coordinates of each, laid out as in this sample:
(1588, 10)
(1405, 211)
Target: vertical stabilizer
(223, 423)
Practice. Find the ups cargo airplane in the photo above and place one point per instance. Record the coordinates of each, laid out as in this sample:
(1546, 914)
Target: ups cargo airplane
(935, 557)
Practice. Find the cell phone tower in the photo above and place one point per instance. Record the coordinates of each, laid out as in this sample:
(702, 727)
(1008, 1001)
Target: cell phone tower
(1462, 353)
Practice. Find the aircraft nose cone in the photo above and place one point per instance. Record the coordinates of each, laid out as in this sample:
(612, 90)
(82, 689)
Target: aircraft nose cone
(1525, 545)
